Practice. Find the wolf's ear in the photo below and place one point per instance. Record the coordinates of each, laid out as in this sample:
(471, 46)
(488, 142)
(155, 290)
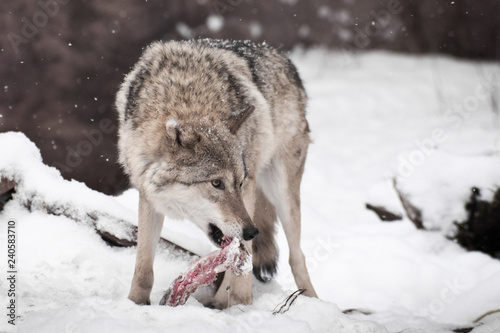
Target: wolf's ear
(173, 132)
(236, 121)
(180, 136)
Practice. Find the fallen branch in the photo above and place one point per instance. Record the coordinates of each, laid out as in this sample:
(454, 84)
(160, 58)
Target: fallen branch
(413, 213)
(30, 183)
(124, 233)
(113, 230)
(384, 214)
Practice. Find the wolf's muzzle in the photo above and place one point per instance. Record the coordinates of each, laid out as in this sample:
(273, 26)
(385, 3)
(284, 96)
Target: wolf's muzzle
(250, 233)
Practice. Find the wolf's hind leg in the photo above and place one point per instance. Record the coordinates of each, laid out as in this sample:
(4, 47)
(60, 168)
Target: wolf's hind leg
(265, 249)
(281, 184)
(150, 225)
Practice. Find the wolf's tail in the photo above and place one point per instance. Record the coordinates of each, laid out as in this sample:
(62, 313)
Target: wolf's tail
(265, 250)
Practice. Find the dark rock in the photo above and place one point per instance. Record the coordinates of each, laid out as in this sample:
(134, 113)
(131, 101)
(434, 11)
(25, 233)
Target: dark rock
(481, 230)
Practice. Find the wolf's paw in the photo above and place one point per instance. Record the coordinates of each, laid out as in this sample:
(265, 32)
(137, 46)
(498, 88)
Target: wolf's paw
(213, 304)
(139, 298)
(226, 297)
(221, 298)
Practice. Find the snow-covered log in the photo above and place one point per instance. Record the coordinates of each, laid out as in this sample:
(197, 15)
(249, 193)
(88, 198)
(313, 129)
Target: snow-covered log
(41, 188)
(6, 185)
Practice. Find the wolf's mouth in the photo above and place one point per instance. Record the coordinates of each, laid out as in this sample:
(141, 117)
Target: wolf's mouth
(216, 234)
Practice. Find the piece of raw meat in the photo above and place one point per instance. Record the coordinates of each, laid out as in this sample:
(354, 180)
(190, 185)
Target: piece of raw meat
(233, 255)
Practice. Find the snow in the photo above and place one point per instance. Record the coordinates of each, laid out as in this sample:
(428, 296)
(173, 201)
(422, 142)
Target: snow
(215, 23)
(370, 115)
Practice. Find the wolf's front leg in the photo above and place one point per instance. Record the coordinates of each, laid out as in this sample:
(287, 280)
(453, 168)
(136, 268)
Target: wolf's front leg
(150, 224)
(234, 289)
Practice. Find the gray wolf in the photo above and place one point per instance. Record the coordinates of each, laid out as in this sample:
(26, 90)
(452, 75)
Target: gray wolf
(215, 132)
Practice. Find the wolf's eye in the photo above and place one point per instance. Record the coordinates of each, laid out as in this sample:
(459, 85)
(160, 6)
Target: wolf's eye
(217, 183)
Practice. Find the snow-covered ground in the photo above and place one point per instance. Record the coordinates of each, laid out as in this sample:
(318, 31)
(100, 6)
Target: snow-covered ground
(429, 122)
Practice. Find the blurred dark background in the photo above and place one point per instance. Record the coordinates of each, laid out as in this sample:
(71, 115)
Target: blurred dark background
(63, 60)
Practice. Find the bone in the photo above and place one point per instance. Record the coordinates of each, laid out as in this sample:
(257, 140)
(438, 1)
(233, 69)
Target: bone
(233, 255)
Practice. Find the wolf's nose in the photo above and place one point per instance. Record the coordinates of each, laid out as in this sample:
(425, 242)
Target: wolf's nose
(250, 233)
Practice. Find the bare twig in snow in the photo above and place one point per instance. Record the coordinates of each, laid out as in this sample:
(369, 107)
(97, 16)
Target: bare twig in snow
(287, 303)
(485, 315)
(413, 213)
(384, 214)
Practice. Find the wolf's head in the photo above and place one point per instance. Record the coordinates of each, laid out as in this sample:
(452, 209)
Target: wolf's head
(185, 113)
(199, 173)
